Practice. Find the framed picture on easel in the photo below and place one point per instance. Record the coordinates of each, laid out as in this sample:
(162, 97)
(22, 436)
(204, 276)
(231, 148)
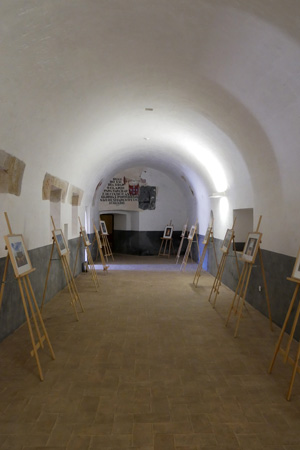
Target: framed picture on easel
(168, 232)
(227, 240)
(60, 241)
(251, 247)
(18, 254)
(207, 235)
(183, 230)
(192, 232)
(103, 228)
(296, 269)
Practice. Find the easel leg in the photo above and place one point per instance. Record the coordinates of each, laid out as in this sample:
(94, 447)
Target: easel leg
(72, 283)
(64, 263)
(40, 317)
(283, 328)
(265, 286)
(199, 268)
(292, 333)
(293, 374)
(243, 300)
(47, 277)
(3, 280)
(237, 292)
(30, 330)
(219, 279)
(77, 252)
(93, 271)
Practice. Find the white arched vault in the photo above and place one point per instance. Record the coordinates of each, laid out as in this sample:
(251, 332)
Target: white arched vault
(222, 78)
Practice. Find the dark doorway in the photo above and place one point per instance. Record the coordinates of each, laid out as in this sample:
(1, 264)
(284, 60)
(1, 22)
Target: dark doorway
(109, 221)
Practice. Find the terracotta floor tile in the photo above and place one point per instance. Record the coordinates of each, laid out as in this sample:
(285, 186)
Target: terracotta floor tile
(148, 366)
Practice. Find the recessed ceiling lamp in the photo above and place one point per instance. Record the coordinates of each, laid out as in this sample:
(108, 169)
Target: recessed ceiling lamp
(146, 138)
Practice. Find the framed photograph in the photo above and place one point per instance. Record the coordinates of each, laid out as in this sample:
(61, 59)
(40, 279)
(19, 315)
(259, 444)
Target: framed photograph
(168, 232)
(60, 242)
(18, 254)
(85, 237)
(251, 247)
(296, 269)
(207, 235)
(183, 230)
(227, 241)
(103, 228)
(192, 232)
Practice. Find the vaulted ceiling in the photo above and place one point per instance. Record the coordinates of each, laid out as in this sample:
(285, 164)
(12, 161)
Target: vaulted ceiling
(198, 89)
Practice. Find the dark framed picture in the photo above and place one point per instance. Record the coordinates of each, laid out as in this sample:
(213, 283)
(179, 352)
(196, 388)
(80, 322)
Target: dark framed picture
(18, 254)
(251, 247)
(103, 228)
(60, 241)
(227, 240)
(168, 232)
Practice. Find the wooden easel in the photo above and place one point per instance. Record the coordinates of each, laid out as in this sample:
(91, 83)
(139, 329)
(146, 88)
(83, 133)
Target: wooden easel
(183, 237)
(86, 243)
(99, 249)
(73, 291)
(28, 298)
(191, 241)
(166, 244)
(241, 290)
(286, 351)
(105, 245)
(209, 237)
(225, 250)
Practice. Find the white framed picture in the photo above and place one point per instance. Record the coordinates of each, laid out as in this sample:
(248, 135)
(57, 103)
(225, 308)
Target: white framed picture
(251, 247)
(18, 254)
(60, 242)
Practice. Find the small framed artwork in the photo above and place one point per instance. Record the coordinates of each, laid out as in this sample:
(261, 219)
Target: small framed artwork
(207, 235)
(60, 242)
(18, 254)
(168, 232)
(85, 237)
(184, 230)
(227, 241)
(192, 232)
(103, 228)
(296, 269)
(251, 247)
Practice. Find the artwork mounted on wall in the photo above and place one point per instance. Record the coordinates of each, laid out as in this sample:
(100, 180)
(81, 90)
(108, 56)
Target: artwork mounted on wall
(18, 254)
(60, 241)
(227, 241)
(296, 269)
(251, 247)
(168, 232)
(103, 228)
